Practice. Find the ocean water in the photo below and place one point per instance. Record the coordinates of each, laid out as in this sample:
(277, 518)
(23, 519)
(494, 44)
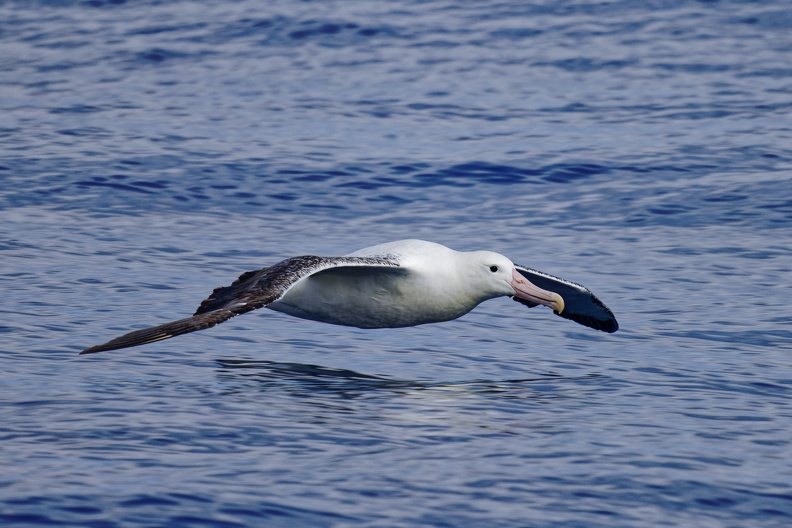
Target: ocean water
(151, 151)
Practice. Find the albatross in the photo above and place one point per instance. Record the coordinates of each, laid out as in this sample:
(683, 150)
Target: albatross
(391, 285)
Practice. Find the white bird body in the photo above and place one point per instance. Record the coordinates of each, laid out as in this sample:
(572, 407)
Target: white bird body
(396, 284)
(432, 283)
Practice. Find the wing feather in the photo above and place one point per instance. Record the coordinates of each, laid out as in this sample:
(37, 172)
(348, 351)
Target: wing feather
(580, 305)
(165, 331)
(252, 290)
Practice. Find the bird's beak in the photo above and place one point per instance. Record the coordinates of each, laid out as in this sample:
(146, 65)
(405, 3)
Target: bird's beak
(524, 289)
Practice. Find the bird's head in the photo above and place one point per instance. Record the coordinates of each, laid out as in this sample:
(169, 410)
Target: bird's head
(493, 275)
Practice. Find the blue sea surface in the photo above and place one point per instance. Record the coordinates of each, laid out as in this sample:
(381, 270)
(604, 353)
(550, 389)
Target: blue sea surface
(151, 151)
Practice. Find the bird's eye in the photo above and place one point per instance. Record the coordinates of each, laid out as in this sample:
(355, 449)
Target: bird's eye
(493, 269)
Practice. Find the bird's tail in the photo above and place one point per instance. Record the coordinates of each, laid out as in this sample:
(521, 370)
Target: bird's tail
(165, 331)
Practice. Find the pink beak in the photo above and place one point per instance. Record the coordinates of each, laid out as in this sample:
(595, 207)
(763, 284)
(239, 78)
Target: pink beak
(525, 290)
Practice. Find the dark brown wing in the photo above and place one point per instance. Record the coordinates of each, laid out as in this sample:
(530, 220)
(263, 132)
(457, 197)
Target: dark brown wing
(252, 290)
(166, 331)
(580, 305)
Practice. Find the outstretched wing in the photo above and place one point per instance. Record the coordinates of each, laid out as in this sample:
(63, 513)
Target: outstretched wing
(580, 305)
(165, 331)
(252, 290)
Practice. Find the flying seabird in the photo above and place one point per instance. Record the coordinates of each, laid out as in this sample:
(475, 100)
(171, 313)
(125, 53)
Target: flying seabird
(396, 284)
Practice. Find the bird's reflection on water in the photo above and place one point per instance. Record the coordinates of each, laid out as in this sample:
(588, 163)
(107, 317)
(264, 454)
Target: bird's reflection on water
(348, 383)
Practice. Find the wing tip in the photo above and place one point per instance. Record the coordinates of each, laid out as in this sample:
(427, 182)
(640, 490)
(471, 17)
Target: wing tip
(125, 341)
(165, 331)
(608, 324)
(92, 350)
(99, 348)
